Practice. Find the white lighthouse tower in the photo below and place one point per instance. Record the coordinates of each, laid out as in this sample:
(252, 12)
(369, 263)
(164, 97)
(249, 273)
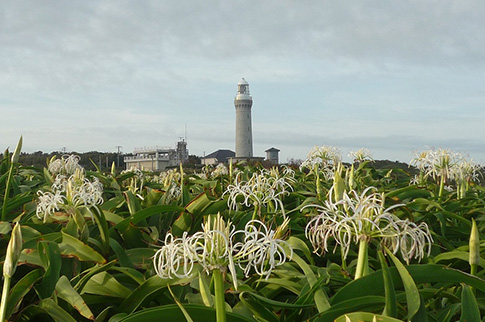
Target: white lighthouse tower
(244, 134)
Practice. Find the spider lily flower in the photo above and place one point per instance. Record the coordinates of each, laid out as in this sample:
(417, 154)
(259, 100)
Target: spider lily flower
(465, 172)
(438, 163)
(361, 218)
(134, 183)
(361, 155)
(264, 188)
(216, 247)
(261, 249)
(325, 158)
(220, 170)
(66, 165)
(174, 259)
(68, 193)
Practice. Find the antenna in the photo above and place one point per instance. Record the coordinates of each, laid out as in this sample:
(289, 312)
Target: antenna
(119, 149)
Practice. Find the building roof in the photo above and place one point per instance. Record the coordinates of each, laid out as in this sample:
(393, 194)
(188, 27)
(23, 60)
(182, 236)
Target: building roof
(272, 150)
(221, 155)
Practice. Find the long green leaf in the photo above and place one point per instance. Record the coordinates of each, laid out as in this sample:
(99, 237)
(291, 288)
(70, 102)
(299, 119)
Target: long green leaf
(147, 289)
(412, 294)
(199, 313)
(103, 229)
(373, 284)
(50, 256)
(106, 285)
(123, 259)
(260, 311)
(391, 304)
(365, 317)
(321, 299)
(277, 304)
(73, 247)
(55, 311)
(469, 309)
(21, 288)
(66, 292)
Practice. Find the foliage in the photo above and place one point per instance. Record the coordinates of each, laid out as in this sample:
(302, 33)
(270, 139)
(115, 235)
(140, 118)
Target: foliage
(91, 257)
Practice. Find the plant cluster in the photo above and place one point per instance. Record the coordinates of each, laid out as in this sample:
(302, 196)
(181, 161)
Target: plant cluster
(324, 241)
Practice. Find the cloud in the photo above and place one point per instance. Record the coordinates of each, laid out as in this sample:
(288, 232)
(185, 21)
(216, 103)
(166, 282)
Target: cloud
(133, 73)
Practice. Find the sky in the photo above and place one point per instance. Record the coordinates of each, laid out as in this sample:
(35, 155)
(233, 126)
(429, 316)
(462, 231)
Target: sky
(395, 77)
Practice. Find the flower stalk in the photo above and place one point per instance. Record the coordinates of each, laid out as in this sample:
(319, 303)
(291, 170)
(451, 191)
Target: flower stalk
(14, 159)
(362, 259)
(12, 256)
(220, 302)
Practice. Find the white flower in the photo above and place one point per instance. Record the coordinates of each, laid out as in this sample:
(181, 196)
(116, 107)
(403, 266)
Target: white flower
(220, 170)
(174, 258)
(66, 165)
(264, 251)
(437, 163)
(361, 155)
(220, 246)
(66, 192)
(364, 217)
(262, 188)
(324, 158)
(48, 203)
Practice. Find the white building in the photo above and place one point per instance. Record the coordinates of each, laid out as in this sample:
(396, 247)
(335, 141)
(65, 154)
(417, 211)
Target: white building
(157, 158)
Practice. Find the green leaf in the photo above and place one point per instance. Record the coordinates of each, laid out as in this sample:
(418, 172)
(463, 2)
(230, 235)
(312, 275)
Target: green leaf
(365, 317)
(106, 285)
(66, 292)
(297, 243)
(145, 290)
(321, 299)
(21, 288)
(90, 273)
(55, 311)
(154, 210)
(370, 303)
(103, 229)
(51, 261)
(408, 192)
(204, 290)
(192, 216)
(469, 309)
(123, 259)
(132, 202)
(277, 304)
(412, 295)
(73, 247)
(141, 257)
(259, 310)
(199, 313)
(456, 254)
(373, 284)
(390, 309)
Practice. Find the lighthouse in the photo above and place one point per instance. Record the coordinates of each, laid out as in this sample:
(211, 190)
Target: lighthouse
(244, 134)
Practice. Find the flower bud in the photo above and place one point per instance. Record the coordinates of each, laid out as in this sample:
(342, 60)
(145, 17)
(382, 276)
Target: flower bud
(13, 252)
(474, 250)
(16, 153)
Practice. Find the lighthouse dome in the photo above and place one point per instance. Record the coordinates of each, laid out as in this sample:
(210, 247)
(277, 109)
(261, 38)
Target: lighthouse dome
(243, 90)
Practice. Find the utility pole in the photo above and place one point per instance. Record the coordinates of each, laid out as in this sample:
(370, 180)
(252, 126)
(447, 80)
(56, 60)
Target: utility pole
(118, 159)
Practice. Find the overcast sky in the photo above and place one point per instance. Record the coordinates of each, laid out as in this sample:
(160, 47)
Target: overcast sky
(392, 76)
